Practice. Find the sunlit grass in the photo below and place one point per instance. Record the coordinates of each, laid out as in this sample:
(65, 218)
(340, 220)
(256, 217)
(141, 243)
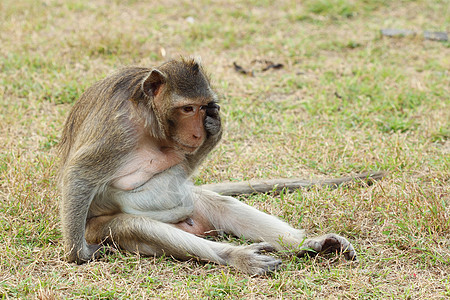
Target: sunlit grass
(347, 100)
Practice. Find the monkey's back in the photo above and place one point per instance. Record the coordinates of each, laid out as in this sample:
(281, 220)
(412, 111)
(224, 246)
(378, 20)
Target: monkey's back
(104, 105)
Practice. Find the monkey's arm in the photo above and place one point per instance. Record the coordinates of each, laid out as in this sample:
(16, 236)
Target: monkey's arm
(77, 195)
(194, 160)
(85, 175)
(269, 185)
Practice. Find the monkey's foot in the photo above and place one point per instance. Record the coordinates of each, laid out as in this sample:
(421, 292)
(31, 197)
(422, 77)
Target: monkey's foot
(327, 244)
(249, 259)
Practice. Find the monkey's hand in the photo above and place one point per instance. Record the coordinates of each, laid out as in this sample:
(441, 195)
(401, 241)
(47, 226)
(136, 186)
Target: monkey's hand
(253, 260)
(85, 254)
(213, 127)
(328, 243)
(212, 120)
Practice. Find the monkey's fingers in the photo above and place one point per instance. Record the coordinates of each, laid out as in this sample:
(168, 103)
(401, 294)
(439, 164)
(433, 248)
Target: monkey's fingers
(106, 250)
(212, 110)
(213, 105)
(85, 254)
(212, 125)
(96, 252)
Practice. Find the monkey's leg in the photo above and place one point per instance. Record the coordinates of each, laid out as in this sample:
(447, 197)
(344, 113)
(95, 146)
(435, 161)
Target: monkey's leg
(230, 215)
(149, 237)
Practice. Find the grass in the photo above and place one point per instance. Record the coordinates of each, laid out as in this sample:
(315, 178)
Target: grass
(346, 101)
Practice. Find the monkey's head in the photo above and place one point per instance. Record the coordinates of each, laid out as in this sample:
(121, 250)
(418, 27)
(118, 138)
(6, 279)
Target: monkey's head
(181, 98)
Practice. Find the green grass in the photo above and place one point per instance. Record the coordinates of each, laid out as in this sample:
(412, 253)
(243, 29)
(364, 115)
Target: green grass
(347, 100)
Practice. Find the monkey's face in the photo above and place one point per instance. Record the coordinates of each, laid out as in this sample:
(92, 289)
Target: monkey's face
(187, 126)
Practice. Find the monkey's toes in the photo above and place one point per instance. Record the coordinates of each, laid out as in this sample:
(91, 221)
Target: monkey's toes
(262, 247)
(327, 244)
(264, 265)
(270, 266)
(335, 243)
(253, 260)
(349, 252)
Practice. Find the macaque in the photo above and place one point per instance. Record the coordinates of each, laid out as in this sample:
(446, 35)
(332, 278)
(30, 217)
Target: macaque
(128, 149)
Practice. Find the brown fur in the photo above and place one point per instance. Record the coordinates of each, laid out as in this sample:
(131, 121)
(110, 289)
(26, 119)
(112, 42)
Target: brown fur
(128, 148)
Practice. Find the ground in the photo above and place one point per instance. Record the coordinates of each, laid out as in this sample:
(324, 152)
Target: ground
(346, 100)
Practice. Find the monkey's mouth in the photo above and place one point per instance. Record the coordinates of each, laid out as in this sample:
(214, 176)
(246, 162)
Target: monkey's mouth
(185, 146)
(188, 148)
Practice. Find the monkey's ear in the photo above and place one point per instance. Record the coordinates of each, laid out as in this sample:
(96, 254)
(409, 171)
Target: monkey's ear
(151, 85)
(196, 63)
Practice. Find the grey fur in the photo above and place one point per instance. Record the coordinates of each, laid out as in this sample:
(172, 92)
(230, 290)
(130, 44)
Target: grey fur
(105, 132)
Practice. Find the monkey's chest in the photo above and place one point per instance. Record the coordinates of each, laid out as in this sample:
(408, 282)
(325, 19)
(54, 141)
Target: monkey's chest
(142, 166)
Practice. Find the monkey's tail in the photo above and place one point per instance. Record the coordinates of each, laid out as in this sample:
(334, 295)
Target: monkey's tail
(276, 185)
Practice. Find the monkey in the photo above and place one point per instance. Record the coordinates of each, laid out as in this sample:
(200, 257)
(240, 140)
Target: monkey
(128, 149)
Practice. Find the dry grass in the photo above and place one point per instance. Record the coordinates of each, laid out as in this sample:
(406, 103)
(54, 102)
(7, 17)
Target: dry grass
(346, 101)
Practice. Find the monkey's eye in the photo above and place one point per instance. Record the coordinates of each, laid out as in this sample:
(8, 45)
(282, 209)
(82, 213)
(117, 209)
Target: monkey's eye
(187, 109)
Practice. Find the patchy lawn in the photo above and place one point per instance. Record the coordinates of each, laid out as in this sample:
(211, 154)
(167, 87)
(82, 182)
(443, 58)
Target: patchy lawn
(346, 100)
